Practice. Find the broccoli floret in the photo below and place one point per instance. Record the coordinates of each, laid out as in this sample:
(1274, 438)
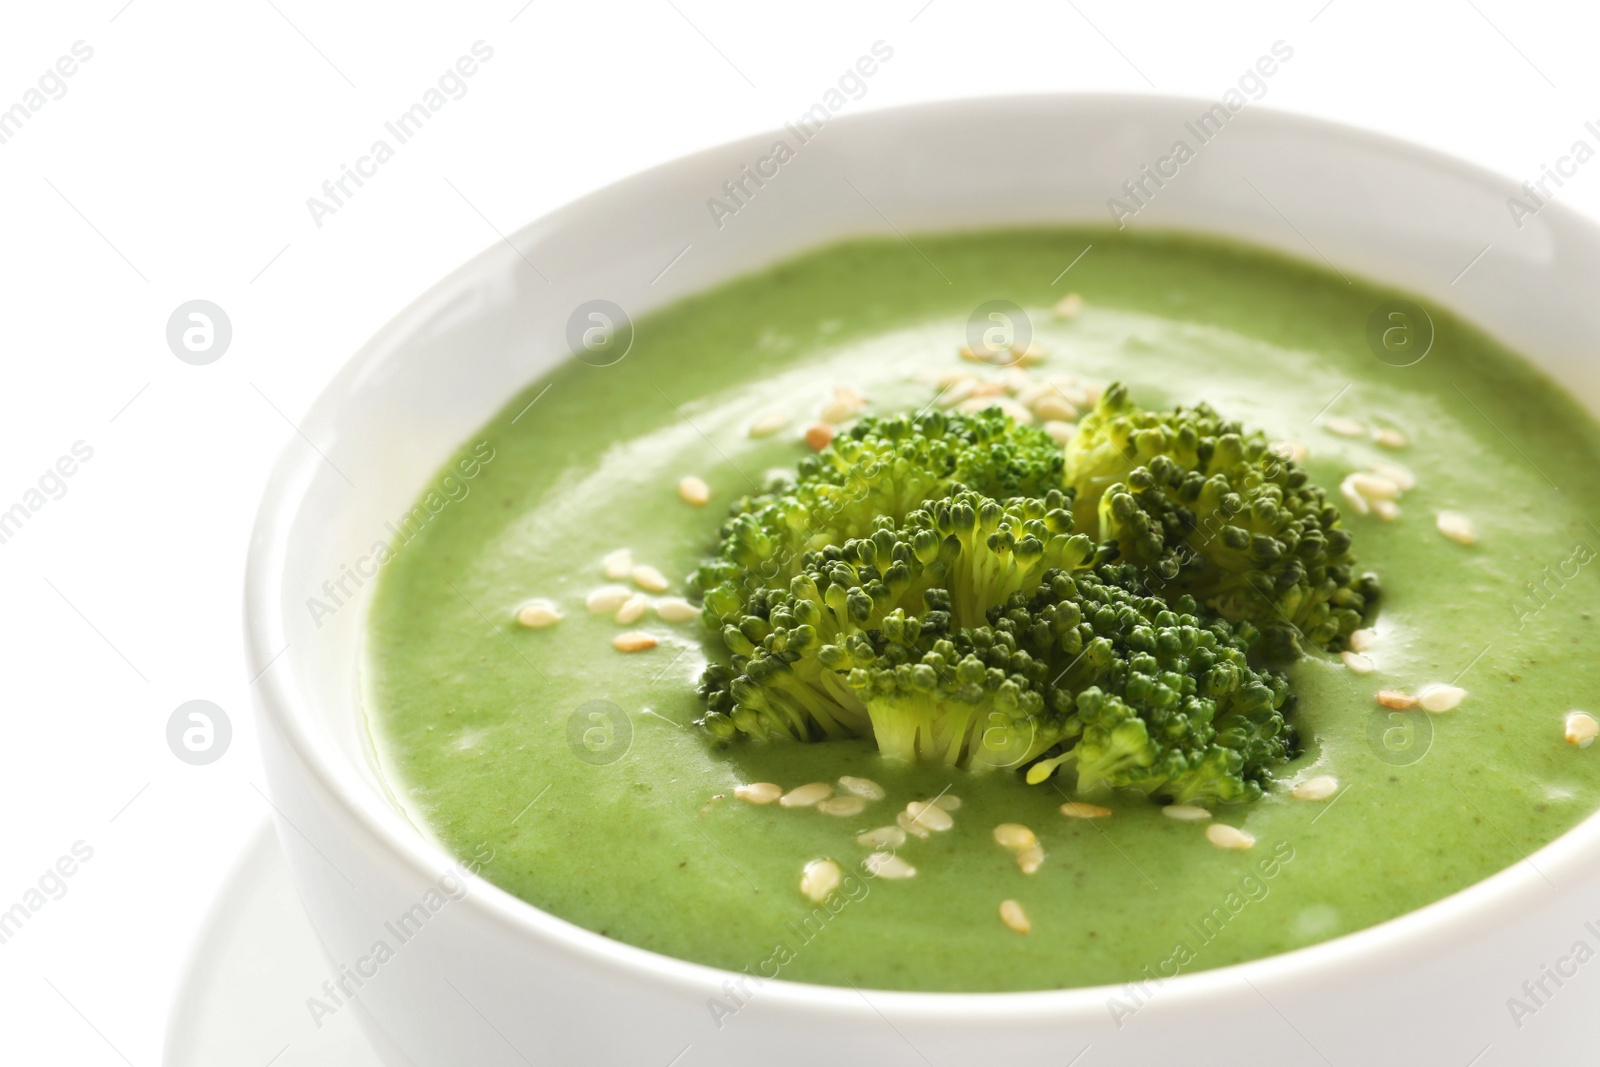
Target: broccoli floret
(777, 684)
(1207, 509)
(791, 649)
(1169, 704)
(864, 642)
(1117, 435)
(833, 655)
(972, 699)
(988, 550)
(881, 468)
(956, 588)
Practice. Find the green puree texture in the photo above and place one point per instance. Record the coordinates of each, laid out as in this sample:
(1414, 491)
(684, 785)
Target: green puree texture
(470, 713)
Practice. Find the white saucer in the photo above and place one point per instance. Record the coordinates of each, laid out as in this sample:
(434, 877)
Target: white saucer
(243, 1001)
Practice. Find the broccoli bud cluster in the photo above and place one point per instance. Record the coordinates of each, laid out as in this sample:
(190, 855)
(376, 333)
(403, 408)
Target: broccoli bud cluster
(960, 590)
(880, 467)
(1208, 509)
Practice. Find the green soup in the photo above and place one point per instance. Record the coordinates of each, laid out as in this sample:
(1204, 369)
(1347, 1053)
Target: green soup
(578, 767)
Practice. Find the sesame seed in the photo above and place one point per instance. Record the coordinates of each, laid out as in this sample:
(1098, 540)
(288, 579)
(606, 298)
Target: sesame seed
(1030, 859)
(1357, 662)
(648, 578)
(835, 412)
(844, 807)
(888, 865)
(882, 837)
(1024, 386)
(1321, 787)
(1457, 527)
(1438, 698)
(1185, 812)
(806, 795)
(929, 815)
(1581, 728)
(1390, 438)
(1060, 431)
(846, 403)
(955, 394)
(616, 565)
(1338, 424)
(1397, 474)
(676, 609)
(1074, 809)
(865, 788)
(537, 614)
(911, 826)
(1361, 640)
(1026, 355)
(1012, 915)
(758, 792)
(1292, 450)
(948, 801)
(694, 490)
(1053, 406)
(1387, 510)
(952, 377)
(1224, 836)
(769, 424)
(971, 355)
(633, 609)
(1394, 698)
(821, 877)
(634, 641)
(1014, 836)
(1019, 412)
(1353, 497)
(1374, 486)
(1036, 392)
(607, 598)
(819, 435)
(1069, 387)
(1069, 307)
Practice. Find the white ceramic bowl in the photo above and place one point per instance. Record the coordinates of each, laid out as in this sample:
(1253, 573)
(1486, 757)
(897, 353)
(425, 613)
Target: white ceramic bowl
(491, 980)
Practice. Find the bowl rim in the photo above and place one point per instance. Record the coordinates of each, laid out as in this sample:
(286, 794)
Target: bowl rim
(1435, 927)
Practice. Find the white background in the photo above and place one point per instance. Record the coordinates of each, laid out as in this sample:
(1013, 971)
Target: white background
(177, 166)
